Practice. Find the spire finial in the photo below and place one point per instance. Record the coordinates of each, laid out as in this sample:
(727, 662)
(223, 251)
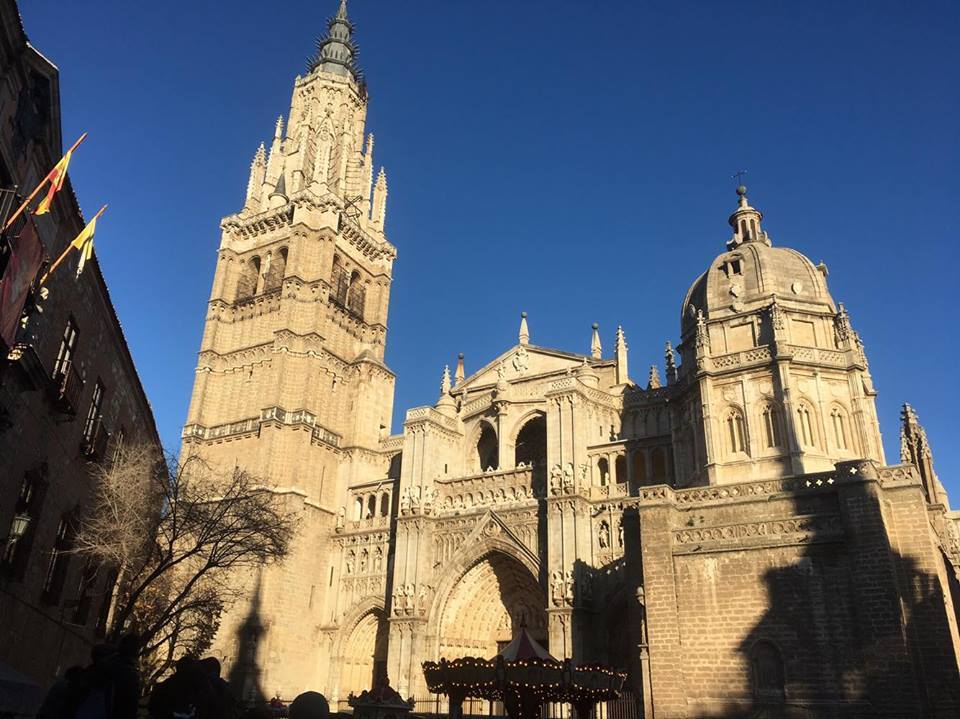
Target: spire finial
(458, 377)
(446, 405)
(445, 380)
(596, 349)
(524, 334)
(278, 130)
(337, 53)
(653, 381)
(620, 352)
(671, 363)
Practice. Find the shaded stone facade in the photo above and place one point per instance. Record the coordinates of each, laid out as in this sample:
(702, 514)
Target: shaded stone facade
(70, 397)
(730, 534)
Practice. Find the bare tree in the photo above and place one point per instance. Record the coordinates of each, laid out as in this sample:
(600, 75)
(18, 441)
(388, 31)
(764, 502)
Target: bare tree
(177, 534)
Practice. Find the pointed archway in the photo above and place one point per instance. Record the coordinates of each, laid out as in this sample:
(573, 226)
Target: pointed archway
(488, 604)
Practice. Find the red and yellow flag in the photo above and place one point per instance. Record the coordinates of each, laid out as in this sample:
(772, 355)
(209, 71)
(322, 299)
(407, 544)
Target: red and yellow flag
(56, 177)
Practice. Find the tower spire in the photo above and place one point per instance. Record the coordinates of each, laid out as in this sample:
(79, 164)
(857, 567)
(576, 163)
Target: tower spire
(596, 349)
(337, 53)
(524, 335)
(620, 351)
(745, 222)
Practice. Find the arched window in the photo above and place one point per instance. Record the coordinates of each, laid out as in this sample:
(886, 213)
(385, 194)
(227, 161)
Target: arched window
(805, 425)
(488, 452)
(736, 432)
(766, 670)
(339, 282)
(358, 509)
(371, 506)
(247, 281)
(531, 447)
(639, 466)
(384, 504)
(277, 271)
(356, 295)
(773, 426)
(620, 465)
(603, 471)
(839, 421)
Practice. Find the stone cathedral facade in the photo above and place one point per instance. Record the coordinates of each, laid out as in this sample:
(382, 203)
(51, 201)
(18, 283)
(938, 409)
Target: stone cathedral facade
(731, 534)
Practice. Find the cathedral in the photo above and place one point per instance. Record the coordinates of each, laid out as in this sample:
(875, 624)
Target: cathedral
(728, 532)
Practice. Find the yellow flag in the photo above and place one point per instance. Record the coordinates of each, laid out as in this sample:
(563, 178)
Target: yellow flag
(84, 241)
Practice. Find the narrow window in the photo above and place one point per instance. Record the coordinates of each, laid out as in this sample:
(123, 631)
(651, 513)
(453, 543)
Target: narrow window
(94, 414)
(371, 507)
(59, 562)
(106, 602)
(620, 466)
(805, 425)
(88, 578)
(736, 432)
(384, 504)
(603, 469)
(17, 544)
(839, 428)
(772, 426)
(68, 345)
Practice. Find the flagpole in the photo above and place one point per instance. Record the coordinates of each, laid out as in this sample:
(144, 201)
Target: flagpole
(33, 194)
(63, 255)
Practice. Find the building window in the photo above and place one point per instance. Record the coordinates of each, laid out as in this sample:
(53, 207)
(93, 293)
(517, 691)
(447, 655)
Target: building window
(603, 469)
(106, 602)
(773, 426)
(88, 578)
(59, 561)
(16, 547)
(68, 345)
(488, 451)
(356, 295)
(384, 504)
(117, 452)
(736, 432)
(839, 428)
(371, 506)
(339, 282)
(658, 464)
(805, 425)
(620, 469)
(639, 466)
(94, 413)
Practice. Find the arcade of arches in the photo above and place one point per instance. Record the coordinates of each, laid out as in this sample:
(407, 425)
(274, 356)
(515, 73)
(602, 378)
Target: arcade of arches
(491, 601)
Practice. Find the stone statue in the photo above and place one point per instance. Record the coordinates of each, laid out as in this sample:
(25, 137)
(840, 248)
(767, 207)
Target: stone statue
(568, 588)
(620, 534)
(351, 559)
(378, 560)
(341, 517)
(556, 588)
(556, 479)
(364, 556)
(603, 535)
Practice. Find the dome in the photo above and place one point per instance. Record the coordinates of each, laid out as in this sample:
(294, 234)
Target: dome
(751, 272)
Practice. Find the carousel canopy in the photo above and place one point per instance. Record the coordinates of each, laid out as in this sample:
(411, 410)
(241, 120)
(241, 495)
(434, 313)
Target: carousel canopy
(523, 647)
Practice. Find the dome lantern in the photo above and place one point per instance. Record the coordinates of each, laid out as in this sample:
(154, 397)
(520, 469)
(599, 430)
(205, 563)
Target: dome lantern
(745, 222)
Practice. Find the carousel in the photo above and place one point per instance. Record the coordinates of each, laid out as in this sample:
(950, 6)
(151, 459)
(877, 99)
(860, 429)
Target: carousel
(523, 677)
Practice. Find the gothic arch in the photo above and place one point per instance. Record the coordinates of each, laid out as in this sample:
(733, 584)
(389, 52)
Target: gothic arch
(361, 647)
(465, 619)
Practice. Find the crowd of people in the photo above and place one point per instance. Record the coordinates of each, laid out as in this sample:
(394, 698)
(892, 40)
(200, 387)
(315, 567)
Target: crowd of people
(110, 688)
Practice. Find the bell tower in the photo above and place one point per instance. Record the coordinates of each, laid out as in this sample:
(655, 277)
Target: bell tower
(291, 383)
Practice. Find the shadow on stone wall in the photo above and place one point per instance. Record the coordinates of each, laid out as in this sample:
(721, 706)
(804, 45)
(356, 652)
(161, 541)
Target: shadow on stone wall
(851, 630)
(244, 676)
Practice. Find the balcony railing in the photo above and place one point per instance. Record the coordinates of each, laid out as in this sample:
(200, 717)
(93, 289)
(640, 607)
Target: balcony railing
(67, 387)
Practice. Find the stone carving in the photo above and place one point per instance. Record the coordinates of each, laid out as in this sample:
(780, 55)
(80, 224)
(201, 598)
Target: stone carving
(620, 533)
(603, 535)
(521, 361)
(569, 485)
(364, 556)
(556, 480)
(341, 517)
(378, 560)
(351, 561)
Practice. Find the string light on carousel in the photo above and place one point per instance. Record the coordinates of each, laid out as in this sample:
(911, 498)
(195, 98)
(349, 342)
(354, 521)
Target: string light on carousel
(523, 676)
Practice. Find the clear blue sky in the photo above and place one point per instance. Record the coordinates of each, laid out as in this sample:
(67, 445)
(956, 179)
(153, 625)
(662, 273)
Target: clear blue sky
(570, 159)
